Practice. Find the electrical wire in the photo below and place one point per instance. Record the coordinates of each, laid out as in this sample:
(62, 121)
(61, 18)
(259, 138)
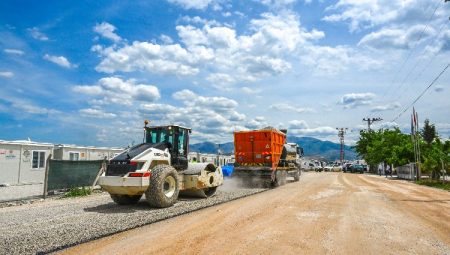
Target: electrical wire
(413, 48)
(420, 73)
(423, 93)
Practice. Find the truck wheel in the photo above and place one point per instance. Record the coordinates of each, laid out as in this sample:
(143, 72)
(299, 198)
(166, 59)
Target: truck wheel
(125, 199)
(210, 191)
(283, 177)
(297, 175)
(278, 179)
(163, 190)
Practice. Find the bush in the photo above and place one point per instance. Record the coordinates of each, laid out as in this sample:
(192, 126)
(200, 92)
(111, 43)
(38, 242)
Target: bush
(435, 184)
(78, 192)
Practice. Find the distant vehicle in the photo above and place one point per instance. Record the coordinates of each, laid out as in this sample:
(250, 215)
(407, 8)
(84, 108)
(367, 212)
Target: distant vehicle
(317, 166)
(357, 169)
(328, 168)
(337, 167)
(307, 166)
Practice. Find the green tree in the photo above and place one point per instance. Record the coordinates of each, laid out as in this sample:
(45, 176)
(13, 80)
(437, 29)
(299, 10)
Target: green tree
(385, 146)
(428, 132)
(435, 156)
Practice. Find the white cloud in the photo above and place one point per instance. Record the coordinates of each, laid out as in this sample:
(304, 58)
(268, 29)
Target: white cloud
(96, 113)
(442, 44)
(300, 127)
(107, 30)
(166, 39)
(298, 124)
(385, 125)
(219, 104)
(353, 100)
(192, 4)
(37, 34)
(325, 60)
(161, 59)
(386, 107)
(265, 50)
(14, 52)
(364, 14)
(277, 3)
(290, 108)
(6, 74)
(396, 38)
(250, 91)
(198, 20)
(59, 60)
(257, 123)
(212, 118)
(32, 109)
(114, 90)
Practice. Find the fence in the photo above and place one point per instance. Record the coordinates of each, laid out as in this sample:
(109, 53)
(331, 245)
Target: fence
(407, 172)
(64, 174)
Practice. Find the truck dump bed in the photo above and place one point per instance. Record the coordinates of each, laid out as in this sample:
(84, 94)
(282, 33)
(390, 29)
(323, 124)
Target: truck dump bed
(259, 147)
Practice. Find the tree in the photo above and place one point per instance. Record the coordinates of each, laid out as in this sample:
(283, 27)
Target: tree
(428, 132)
(385, 146)
(435, 155)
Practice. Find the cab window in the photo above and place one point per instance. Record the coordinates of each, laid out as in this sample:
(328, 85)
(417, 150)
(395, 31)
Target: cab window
(181, 138)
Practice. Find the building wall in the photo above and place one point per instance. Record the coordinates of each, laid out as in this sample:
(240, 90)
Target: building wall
(16, 163)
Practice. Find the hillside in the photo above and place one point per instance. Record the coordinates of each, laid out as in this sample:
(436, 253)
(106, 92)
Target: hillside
(312, 147)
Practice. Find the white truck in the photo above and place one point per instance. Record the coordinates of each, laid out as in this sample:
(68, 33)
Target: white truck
(159, 168)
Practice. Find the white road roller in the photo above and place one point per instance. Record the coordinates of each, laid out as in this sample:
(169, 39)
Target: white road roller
(159, 168)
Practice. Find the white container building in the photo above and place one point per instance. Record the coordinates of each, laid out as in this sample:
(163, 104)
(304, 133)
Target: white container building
(74, 152)
(23, 162)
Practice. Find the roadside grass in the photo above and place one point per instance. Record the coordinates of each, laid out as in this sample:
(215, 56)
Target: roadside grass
(435, 184)
(78, 192)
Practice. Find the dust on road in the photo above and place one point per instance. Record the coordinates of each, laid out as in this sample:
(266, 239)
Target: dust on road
(324, 213)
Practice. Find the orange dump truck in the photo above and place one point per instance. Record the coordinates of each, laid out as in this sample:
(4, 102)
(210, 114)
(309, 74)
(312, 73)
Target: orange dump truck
(262, 157)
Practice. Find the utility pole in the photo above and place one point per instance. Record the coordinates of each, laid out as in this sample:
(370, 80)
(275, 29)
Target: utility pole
(371, 121)
(341, 134)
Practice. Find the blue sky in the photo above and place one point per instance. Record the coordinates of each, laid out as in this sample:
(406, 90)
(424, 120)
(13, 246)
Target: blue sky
(90, 72)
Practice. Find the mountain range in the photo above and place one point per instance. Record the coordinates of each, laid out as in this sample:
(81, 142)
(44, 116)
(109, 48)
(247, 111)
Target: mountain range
(312, 147)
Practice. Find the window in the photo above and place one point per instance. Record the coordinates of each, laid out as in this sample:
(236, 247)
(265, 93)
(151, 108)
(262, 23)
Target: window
(74, 156)
(181, 136)
(38, 159)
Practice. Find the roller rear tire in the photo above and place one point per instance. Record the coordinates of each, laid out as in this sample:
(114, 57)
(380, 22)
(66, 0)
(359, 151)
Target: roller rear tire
(163, 191)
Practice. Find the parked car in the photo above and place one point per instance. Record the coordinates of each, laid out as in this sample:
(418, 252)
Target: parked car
(317, 167)
(328, 168)
(307, 166)
(337, 168)
(357, 169)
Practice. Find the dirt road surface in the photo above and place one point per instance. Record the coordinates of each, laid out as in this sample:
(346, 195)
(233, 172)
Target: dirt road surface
(324, 213)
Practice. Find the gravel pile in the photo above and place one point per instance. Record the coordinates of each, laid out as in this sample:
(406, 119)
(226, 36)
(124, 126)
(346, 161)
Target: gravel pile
(56, 224)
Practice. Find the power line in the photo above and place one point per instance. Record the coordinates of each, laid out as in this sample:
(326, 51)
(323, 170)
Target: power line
(423, 92)
(413, 48)
(418, 62)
